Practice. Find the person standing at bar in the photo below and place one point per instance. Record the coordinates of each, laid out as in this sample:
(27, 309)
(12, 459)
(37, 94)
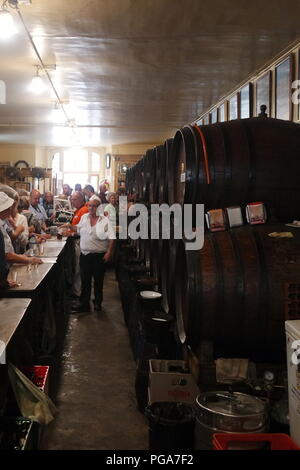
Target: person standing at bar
(90, 192)
(102, 193)
(37, 209)
(111, 210)
(49, 205)
(78, 203)
(10, 256)
(67, 191)
(4, 284)
(95, 253)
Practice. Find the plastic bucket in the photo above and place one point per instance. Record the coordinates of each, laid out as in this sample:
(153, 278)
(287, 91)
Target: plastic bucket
(171, 426)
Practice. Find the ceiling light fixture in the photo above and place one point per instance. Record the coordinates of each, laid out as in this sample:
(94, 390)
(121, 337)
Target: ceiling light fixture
(7, 24)
(58, 115)
(37, 85)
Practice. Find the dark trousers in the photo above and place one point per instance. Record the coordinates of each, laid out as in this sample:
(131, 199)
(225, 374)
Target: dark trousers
(91, 266)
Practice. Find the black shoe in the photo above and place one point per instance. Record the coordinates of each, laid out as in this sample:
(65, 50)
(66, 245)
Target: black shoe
(97, 307)
(80, 309)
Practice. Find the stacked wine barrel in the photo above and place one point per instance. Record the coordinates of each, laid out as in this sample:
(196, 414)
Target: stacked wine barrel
(233, 292)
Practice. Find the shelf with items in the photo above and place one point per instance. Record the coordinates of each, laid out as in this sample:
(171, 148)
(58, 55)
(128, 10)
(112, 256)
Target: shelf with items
(26, 178)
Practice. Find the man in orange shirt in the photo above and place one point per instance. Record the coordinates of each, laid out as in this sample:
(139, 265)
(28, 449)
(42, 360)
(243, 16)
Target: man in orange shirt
(78, 203)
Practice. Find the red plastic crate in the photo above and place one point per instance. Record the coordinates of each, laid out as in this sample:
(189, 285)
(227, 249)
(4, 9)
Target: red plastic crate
(39, 375)
(259, 441)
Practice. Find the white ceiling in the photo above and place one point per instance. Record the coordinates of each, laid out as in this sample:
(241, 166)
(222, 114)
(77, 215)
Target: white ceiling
(134, 70)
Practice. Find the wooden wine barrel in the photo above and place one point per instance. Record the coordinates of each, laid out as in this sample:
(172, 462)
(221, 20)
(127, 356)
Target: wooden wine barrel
(235, 292)
(236, 162)
(149, 176)
(183, 167)
(149, 171)
(157, 168)
(167, 256)
(164, 274)
(155, 261)
(139, 178)
(163, 172)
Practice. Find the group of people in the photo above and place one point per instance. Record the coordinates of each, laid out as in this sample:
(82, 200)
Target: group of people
(108, 201)
(18, 221)
(24, 215)
(93, 247)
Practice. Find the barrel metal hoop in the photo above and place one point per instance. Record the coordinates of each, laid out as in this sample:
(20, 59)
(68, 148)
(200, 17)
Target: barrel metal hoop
(191, 170)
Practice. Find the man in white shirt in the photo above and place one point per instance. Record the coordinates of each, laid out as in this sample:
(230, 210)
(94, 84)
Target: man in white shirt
(95, 252)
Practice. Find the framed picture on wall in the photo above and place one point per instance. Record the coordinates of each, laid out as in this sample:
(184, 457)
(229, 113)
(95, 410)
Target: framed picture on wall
(233, 108)
(246, 101)
(283, 74)
(263, 93)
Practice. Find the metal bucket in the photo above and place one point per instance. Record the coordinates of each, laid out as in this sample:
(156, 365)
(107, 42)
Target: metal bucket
(225, 412)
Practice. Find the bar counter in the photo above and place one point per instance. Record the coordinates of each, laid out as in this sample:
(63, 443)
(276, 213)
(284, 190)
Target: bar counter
(12, 312)
(50, 249)
(29, 277)
(47, 285)
(34, 319)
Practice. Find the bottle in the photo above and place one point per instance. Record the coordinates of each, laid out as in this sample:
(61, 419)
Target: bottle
(32, 245)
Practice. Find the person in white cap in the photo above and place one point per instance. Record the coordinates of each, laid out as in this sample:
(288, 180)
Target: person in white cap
(11, 257)
(111, 210)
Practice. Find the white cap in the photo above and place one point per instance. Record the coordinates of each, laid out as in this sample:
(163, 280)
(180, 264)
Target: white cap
(5, 202)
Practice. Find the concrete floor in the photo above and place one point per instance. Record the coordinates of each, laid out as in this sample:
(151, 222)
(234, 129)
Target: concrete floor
(96, 398)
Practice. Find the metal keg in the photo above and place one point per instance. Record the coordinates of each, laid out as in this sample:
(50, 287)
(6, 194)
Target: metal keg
(225, 412)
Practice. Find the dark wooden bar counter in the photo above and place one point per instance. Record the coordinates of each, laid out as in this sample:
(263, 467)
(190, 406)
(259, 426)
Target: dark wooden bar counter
(12, 312)
(49, 249)
(44, 325)
(29, 277)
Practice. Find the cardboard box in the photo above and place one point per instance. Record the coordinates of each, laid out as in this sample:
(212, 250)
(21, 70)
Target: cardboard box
(170, 380)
